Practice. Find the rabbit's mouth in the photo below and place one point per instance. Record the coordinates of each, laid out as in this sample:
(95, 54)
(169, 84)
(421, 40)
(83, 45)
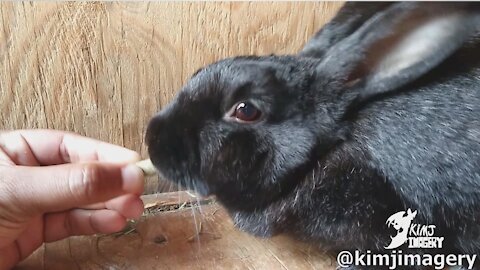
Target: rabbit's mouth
(180, 175)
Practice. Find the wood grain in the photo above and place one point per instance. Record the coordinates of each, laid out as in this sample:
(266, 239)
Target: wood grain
(191, 237)
(103, 69)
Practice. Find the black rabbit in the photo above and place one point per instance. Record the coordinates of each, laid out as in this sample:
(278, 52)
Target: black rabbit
(379, 113)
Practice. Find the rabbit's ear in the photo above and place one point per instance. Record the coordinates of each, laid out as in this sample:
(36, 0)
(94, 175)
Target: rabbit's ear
(398, 45)
(347, 20)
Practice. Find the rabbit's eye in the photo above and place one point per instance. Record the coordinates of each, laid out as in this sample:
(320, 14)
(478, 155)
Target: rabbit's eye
(246, 112)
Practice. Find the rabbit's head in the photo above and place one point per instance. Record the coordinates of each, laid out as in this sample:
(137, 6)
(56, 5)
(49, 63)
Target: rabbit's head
(248, 129)
(242, 128)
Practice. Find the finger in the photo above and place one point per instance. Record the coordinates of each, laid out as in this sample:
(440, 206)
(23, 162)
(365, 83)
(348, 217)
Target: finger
(9, 258)
(14, 149)
(30, 238)
(56, 188)
(129, 206)
(82, 222)
(51, 147)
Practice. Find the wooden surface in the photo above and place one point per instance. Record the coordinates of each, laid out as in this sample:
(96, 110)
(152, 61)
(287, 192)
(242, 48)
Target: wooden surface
(178, 234)
(103, 69)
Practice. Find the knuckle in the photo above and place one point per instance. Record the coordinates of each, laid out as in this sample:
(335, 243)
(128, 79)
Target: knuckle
(85, 182)
(68, 224)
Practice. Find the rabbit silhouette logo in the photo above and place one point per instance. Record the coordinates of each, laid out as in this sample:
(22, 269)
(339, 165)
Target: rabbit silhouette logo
(401, 221)
(417, 235)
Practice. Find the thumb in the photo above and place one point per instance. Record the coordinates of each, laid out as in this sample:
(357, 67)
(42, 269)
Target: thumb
(56, 188)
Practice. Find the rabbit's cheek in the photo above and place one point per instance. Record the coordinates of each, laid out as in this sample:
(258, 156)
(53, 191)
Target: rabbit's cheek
(238, 171)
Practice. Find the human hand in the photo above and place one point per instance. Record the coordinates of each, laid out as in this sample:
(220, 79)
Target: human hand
(55, 184)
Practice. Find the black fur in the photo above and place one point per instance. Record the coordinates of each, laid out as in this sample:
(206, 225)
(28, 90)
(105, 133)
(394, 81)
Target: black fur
(346, 138)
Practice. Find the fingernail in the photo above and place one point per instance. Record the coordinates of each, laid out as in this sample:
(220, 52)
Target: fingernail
(135, 209)
(132, 179)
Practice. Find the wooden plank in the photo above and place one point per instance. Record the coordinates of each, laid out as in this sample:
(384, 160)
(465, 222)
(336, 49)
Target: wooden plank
(185, 237)
(102, 69)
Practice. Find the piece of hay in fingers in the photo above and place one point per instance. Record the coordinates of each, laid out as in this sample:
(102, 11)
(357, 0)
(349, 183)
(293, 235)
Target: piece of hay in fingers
(147, 167)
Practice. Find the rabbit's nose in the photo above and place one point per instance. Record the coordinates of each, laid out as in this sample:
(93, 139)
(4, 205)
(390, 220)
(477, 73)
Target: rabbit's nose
(170, 141)
(163, 130)
(162, 137)
(154, 126)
